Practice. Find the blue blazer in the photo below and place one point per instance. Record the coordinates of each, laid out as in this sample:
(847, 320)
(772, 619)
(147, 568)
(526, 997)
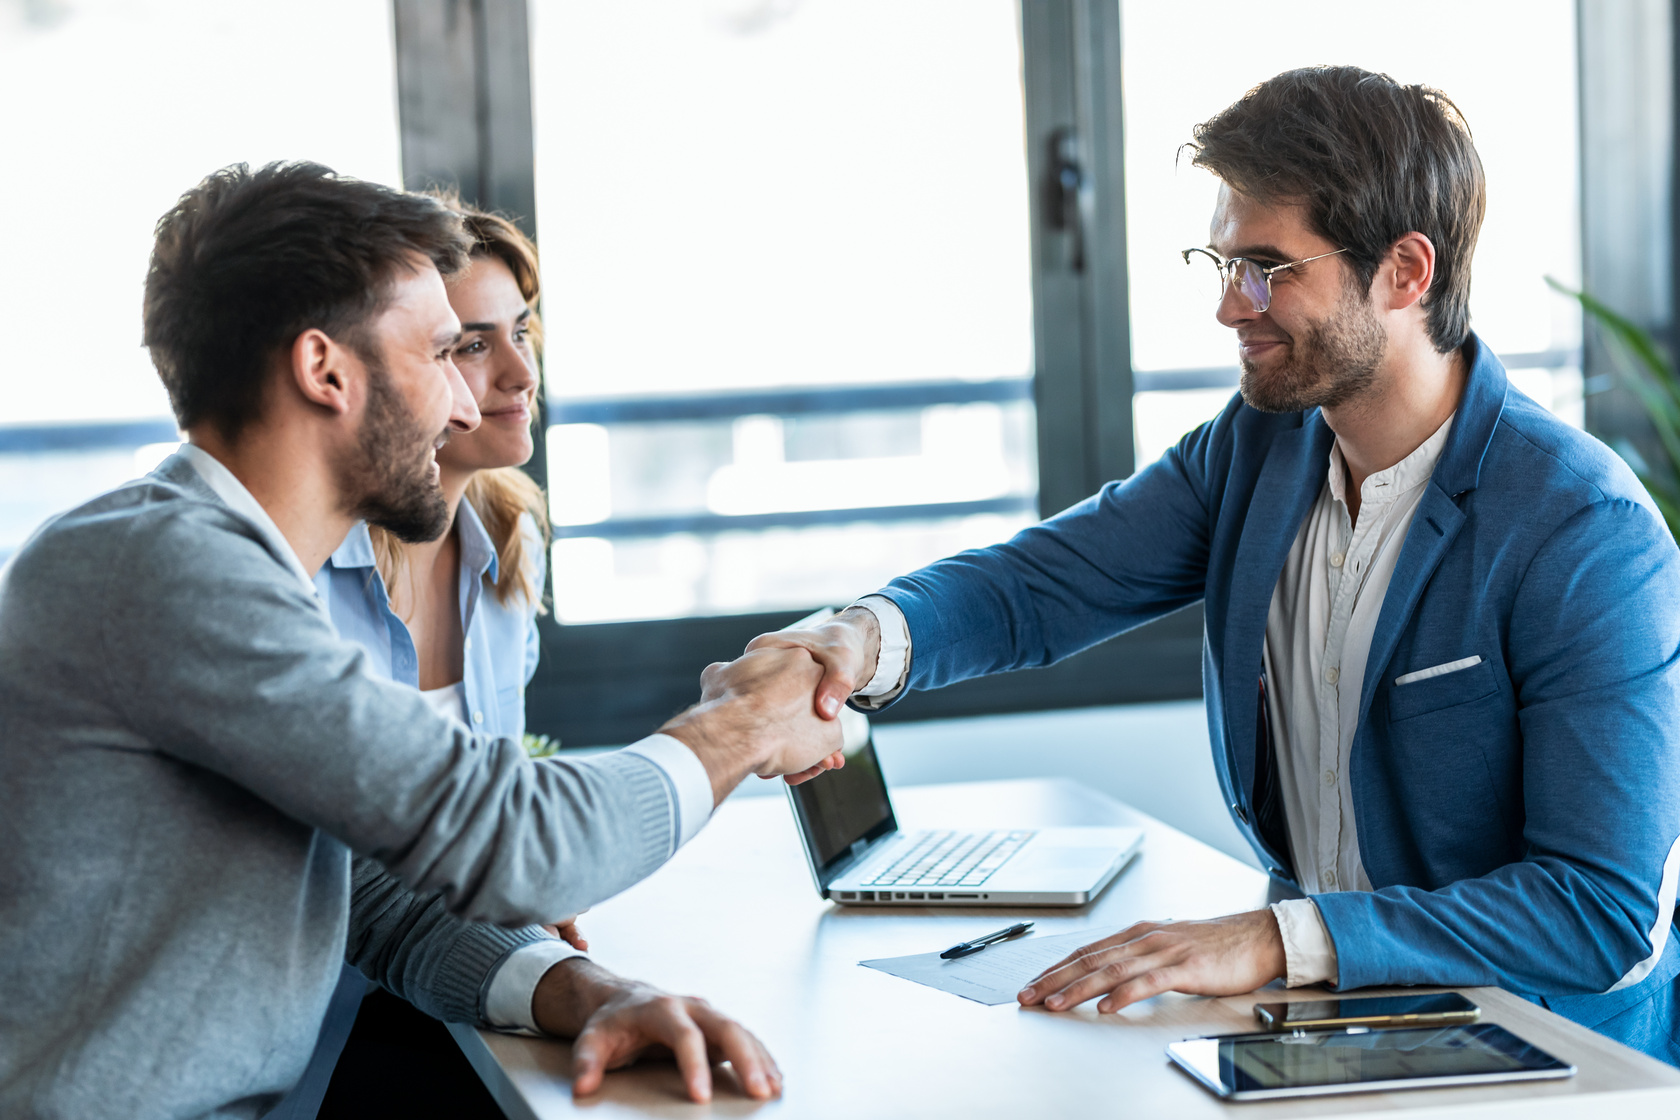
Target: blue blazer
(1520, 820)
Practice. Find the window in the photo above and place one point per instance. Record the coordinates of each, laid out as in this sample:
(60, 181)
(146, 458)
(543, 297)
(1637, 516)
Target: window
(1185, 62)
(122, 107)
(787, 296)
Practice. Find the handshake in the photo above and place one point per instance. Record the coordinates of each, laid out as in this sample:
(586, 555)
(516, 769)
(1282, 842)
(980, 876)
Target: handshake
(775, 709)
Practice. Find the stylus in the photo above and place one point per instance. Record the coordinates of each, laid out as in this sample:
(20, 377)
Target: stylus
(964, 948)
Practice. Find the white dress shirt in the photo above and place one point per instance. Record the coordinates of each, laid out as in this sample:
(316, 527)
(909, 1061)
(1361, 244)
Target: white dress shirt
(508, 1000)
(1318, 636)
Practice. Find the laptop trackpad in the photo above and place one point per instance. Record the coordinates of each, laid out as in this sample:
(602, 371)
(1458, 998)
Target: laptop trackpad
(1052, 868)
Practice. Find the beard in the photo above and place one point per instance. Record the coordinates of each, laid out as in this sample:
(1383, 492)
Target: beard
(1330, 363)
(390, 470)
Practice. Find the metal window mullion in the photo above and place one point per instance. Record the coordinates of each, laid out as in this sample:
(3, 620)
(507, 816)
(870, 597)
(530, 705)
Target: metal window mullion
(1081, 331)
(464, 115)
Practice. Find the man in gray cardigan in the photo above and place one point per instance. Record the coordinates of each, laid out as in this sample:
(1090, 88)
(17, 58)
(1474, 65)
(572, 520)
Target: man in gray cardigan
(190, 756)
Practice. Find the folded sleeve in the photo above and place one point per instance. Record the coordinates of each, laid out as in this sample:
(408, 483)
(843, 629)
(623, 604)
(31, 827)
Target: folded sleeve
(892, 657)
(416, 949)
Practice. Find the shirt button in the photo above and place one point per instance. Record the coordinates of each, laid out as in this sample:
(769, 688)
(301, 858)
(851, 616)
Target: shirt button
(1330, 878)
(1329, 777)
(478, 717)
(1331, 675)
(1336, 559)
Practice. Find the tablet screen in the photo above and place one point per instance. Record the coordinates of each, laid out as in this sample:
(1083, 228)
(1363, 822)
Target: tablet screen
(1349, 1060)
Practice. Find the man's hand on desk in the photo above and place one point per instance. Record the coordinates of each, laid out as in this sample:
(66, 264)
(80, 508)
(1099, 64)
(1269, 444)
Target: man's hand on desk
(755, 717)
(1220, 957)
(845, 646)
(613, 1021)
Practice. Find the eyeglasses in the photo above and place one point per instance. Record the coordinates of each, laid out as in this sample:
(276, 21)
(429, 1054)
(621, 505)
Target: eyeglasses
(1251, 278)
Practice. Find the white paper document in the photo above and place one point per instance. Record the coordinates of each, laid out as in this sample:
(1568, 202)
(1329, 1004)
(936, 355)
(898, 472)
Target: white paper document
(995, 974)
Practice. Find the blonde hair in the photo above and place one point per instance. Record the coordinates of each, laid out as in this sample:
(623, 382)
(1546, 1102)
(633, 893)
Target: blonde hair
(503, 496)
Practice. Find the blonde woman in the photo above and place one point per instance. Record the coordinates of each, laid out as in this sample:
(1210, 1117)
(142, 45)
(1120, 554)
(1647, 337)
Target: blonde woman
(455, 618)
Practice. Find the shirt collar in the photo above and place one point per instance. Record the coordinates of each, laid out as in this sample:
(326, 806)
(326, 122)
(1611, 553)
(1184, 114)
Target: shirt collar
(478, 553)
(233, 493)
(1402, 478)
(357, 549)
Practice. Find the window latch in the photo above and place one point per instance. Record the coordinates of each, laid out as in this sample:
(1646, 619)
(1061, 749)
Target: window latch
(1064, 193)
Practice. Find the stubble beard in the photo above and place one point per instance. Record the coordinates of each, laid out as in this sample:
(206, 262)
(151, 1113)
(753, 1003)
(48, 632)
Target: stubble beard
(1334, 361)
(390, 469)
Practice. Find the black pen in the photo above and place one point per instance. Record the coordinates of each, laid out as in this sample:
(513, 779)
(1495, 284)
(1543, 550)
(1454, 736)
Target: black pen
(965, 948)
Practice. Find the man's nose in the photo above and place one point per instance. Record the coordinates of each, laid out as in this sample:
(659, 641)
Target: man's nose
(1234, 309)
(463, 410)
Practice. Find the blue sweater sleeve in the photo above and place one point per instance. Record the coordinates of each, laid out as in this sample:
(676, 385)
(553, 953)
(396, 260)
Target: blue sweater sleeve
(1594, 653)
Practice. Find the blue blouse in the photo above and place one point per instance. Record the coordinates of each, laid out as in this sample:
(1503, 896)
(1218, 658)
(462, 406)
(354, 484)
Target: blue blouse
(500, 652)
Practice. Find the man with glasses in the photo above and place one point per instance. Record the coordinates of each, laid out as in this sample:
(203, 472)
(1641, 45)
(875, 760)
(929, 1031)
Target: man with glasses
(1442, 625)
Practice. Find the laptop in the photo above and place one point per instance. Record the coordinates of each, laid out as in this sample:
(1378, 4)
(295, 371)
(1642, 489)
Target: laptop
(858, 856)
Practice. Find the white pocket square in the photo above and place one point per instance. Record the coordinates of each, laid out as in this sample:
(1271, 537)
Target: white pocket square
(1440, 670)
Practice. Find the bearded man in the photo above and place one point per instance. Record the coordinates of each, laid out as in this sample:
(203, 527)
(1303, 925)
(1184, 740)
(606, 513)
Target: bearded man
(1440, 655)
(209, 801)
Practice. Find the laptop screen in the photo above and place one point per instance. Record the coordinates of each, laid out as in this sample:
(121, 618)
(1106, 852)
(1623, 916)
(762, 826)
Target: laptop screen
(838, 808)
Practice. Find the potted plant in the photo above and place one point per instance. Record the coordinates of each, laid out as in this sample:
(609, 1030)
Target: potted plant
(1645, 367)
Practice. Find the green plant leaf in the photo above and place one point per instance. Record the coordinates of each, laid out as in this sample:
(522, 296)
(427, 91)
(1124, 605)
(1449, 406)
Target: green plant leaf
(1645, 367)
(541, 746)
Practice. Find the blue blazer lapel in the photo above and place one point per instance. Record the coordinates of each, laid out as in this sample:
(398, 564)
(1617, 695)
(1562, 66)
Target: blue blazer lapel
(1289, 483)
(1433, 529)
(1438, 519)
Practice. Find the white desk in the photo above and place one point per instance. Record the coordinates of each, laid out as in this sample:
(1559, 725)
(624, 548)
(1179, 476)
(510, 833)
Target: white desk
(734, 918)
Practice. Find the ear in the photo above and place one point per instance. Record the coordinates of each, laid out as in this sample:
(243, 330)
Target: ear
(1408, 270)
(324, 372)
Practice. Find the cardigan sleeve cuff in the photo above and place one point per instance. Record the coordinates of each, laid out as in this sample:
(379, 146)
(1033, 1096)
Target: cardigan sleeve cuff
(507, 1003)
(690, 786)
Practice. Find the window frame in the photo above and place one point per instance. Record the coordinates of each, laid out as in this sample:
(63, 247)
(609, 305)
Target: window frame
(464, 98)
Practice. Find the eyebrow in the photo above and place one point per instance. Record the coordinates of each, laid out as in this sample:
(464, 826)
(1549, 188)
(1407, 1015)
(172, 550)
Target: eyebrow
(520, 318)
(1271, 251)
(439, 341)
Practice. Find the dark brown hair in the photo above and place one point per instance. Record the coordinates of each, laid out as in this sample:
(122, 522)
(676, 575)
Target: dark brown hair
(502, 496)
(1370, 160)
(248, 260)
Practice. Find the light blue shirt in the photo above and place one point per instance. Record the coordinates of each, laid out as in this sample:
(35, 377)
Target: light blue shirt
(501, 647)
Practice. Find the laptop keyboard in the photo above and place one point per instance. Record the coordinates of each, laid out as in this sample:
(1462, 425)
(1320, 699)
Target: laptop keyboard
(951, 859)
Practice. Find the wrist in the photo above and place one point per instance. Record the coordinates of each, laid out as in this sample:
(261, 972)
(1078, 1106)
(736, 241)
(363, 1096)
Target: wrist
(569, 993)
(867, 627)
(728, 759)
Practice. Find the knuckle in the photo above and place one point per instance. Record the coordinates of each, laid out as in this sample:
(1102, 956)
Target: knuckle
(1155, 980)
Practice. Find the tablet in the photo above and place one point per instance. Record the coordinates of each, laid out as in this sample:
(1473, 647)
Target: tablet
(1360, 1060)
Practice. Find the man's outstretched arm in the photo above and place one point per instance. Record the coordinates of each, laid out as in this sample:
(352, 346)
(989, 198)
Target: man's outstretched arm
(259, 689)
(1131, 553)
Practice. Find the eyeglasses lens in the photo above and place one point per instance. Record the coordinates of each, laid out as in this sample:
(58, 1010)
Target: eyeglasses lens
(1251, 284)
(1207, 274)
